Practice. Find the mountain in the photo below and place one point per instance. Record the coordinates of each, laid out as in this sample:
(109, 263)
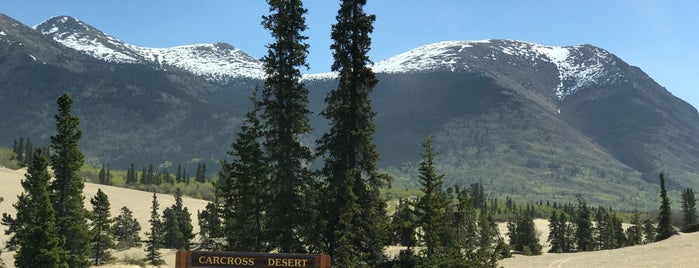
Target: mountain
(529, 121)
(217, 61)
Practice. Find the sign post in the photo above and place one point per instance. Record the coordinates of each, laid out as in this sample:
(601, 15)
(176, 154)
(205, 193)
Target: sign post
(210, 259)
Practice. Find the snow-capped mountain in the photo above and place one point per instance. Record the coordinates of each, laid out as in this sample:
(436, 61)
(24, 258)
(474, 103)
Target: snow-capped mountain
(576, 66)
(219, 61)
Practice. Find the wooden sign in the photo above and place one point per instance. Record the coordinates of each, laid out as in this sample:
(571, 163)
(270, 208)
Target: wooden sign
(210, 259)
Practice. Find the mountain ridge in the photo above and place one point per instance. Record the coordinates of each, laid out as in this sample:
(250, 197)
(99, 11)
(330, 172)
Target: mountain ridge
(555, 122)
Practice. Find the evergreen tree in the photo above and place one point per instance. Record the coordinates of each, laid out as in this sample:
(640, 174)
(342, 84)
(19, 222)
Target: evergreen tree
(210, 227)
(556, 234)
(649, 232)
(102, 237)
(583, 227)
(28, 153)
(689, 209)
(284, 103)
(155, 236)
(403, 223)
(201, 173)
(664, 229)
(19, 152)
(634, 234)
(245, 187)
(67, 188)
(522, 233)
(430, 208)
(173, 236)
(178, 177)
(131, 177)
(126, 229)
(102, 175)
(35, 235)
(356, 231)
(184, 219)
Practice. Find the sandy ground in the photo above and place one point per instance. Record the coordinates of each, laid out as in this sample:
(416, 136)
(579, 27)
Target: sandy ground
(137, 201)
(678, 251)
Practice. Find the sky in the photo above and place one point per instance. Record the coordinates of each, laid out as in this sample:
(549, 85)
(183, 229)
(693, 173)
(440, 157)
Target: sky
(659, 36)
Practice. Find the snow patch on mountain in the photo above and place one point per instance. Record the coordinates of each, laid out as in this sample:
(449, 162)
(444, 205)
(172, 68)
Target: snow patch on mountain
(575, 69)
(218, 62)
(437, 56)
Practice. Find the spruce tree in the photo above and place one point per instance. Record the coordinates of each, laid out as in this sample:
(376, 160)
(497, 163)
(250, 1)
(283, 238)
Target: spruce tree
(634, 234)
(210, 227)
(403, 224)
(284, 104)
(583, 227)
(184, 220)
(430, 207)
(67, 188)
(689, 209)
(102, 175)
(172, 237)
(102, 237)
(356, 231)
(35, 235)
(131, 175)
(664, 229)
(126, 229)
(245, 188)
(155, 236)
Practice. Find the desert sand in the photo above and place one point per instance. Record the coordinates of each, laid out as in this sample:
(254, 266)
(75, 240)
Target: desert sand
(678, 251)
(137, 201)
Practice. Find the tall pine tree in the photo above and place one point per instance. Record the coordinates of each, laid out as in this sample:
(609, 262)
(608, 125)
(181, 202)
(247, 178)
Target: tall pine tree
(430, 208)
(245, 188)
(284, 103)
(67, 188)
(35, 235)
(155, 236)
(356, 229)
(689, 206)
(664, 230)
(102, 237)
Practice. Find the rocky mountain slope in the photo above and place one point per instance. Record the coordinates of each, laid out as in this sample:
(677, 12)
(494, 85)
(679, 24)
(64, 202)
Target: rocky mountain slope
(527, 120)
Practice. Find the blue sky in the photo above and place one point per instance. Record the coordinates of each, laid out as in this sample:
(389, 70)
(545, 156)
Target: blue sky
(661, 37)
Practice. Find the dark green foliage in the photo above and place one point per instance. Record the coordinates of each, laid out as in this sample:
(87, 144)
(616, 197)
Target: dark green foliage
(155, 236)
(650, 232)
(173, 236)
(105, 176)
(522, 233)
(102, 236)
(284, 104)
(356, 216)
(634, 234)
(689, 209)
(583, 227)
(430, 208)
(23, 152)
(210, 227)
(557, 234)
(131, 177)
(126, 229)
(245, 188)
(34, 232)
(665, 217)
(177, 224)
(201, 172)
(403, 224)
(67, 188)
(608, 232)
